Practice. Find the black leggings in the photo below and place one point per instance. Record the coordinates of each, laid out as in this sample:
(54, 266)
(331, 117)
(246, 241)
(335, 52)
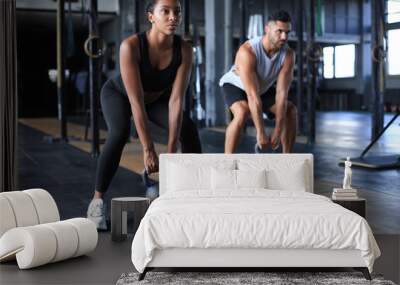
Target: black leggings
(117, 114)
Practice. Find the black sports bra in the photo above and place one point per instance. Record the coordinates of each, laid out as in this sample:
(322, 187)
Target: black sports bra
(154, 80)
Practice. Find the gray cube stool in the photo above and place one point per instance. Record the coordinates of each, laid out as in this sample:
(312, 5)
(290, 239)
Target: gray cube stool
(119, 215)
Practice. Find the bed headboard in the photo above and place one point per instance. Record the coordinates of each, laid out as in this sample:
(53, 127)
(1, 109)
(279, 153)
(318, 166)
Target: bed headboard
(269, 161)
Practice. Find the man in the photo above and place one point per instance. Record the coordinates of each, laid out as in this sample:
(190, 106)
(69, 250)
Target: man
(248, 90)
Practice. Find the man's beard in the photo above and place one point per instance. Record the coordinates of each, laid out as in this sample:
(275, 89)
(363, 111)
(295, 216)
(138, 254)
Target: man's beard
(275, 43)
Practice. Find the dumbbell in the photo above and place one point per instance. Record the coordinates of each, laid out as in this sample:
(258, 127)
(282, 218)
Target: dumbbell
(152, 191)
(258, 149)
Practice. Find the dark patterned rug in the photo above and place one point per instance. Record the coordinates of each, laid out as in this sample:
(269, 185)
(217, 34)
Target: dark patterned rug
(243, 278)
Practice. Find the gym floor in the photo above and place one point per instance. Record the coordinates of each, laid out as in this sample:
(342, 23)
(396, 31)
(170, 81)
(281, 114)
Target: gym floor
(67, 172)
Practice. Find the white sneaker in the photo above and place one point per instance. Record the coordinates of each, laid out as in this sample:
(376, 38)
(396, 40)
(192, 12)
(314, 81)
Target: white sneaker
(97, 213)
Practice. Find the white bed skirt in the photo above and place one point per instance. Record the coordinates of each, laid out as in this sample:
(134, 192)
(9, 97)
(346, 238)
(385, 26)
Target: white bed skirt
(189, 257)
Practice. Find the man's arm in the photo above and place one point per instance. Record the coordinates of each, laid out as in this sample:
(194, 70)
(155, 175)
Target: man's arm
(176, 100)
(245, 63)
(285, 78)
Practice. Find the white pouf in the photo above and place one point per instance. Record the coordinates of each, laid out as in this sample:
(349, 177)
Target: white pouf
(31, 233)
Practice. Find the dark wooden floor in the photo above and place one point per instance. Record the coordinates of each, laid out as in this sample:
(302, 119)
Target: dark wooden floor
(68, 174)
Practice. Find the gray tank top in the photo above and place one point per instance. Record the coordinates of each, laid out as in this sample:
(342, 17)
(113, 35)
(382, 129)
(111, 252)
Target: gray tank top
(267, 68)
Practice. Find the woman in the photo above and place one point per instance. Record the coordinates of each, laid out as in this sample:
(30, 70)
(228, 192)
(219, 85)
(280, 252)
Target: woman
(155, 71)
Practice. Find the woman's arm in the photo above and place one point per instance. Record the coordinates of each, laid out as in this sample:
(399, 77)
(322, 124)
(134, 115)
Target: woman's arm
(178, 92)
(129, 64)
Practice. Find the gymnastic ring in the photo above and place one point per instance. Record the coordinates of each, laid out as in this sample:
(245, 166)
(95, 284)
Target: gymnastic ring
(101, 51)
(314, 52)
(378, 53)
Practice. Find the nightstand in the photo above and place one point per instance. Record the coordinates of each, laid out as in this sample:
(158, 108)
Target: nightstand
(119, 215)
(357, 205)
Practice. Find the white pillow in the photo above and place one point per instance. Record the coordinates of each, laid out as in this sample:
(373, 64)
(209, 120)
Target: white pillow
(293, 179)
(223, 179)
(251, 178)
(282, 174)
(229, 180)
(190, 176)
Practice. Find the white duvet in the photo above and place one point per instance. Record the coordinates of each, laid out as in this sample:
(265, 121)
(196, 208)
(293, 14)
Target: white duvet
(254, 218)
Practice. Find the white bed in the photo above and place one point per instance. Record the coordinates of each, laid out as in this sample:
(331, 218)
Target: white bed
(218, 210)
